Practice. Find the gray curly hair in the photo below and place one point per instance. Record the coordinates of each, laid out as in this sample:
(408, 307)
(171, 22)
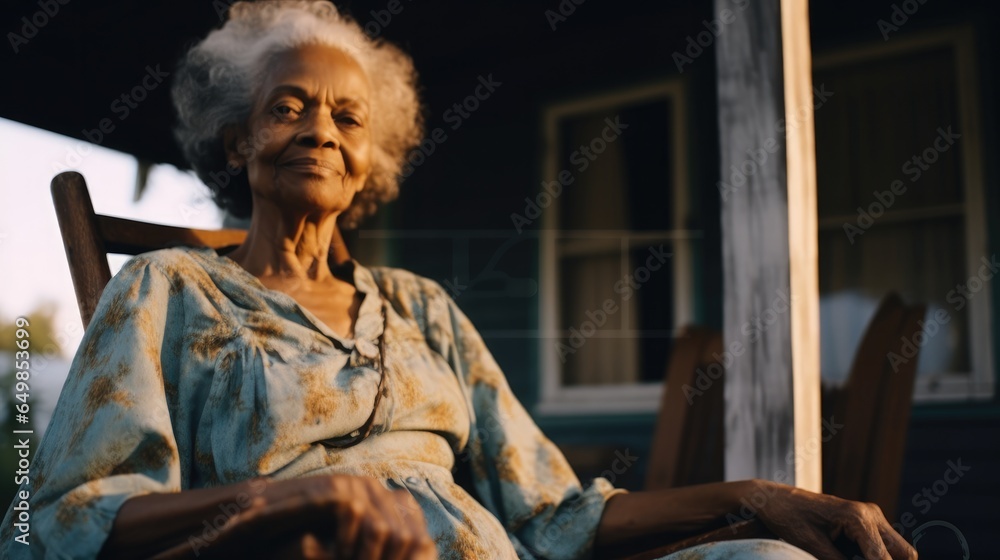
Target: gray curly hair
(216, 81)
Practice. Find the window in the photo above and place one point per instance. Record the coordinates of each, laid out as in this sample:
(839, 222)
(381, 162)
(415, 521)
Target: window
(900, 198)
(616, 259)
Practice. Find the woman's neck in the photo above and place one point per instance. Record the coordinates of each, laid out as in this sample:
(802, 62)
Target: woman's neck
(288, 246)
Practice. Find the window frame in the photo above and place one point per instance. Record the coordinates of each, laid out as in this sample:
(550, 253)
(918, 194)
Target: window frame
(555, 399)
(978, 384)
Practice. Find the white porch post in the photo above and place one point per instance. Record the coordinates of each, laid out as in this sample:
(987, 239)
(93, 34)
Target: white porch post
(768, 197)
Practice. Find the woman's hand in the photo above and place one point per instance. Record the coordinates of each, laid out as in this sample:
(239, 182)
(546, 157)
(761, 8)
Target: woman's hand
(318, 517)
(805, 519)
(813, 521)
(327, 517)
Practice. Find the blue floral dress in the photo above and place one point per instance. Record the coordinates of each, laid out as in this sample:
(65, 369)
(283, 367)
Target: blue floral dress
(194, 374)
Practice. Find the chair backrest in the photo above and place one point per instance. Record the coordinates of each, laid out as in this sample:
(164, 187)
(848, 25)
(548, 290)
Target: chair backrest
(89, 237)
(687, 440)
(863, 460)
(857, 401)
(889, 444)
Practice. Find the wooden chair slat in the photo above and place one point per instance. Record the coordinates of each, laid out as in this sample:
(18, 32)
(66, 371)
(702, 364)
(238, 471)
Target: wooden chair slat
(89, 237)
(890, 429)
(130, 237)
(665, 468)
(85, 251)
(701, 458)
(857, 409)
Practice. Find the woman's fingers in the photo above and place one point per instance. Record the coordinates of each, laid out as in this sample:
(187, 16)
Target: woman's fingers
(269, 522)
(311, 547)
(349, 519)
(795, 515)
(327, 517)
(390, 526)
(871, 544)
(896, 544)
(387, 531)
(381, 526)
(307, 546)
(243, 531)
(880, 541)
(865, 530)
(409, 511)
(411, 540)
(419, 545)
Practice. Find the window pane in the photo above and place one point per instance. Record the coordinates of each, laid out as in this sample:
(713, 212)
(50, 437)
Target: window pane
(616, 294)
(621, 164)
(891, 120)
(923, 261)
(617, 316)
(880, 117)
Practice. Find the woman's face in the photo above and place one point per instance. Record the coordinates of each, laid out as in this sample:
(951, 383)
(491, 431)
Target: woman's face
(307, 144)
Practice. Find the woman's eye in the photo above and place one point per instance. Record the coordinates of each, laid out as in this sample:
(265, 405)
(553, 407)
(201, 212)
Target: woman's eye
(284, 111)
(349, 120)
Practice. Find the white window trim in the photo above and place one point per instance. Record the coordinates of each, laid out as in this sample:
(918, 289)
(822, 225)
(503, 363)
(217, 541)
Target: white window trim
(951, 386)
(556, 399)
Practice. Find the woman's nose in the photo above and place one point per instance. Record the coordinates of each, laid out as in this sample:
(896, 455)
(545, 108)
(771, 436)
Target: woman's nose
(319, 131)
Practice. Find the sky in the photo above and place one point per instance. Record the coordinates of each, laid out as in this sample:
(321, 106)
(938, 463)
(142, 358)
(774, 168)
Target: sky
(31, 250)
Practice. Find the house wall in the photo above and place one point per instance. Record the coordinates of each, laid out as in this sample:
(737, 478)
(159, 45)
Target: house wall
(454, 212)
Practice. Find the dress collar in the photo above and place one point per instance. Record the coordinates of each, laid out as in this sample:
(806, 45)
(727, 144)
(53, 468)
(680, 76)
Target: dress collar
(369, 324)
(371, 321)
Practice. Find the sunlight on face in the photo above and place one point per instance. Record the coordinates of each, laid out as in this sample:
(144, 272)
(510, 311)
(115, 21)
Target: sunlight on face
(307, 144)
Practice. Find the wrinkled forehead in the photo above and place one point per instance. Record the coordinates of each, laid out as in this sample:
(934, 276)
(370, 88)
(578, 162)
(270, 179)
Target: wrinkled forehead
(315, 68)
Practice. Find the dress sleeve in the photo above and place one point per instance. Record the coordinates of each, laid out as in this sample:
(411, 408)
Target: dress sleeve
(110, 437)
(519, 474)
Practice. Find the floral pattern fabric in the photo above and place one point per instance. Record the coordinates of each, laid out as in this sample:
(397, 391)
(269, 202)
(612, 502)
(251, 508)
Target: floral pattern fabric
(194, 374)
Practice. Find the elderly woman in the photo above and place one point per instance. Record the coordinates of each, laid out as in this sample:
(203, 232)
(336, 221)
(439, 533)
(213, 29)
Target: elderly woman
(275, 401)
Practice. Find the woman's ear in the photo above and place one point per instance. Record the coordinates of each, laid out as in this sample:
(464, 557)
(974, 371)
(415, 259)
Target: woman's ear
(232, 139)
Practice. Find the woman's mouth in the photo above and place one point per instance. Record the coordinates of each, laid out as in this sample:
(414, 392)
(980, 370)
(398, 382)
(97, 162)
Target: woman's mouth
(310, 166)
